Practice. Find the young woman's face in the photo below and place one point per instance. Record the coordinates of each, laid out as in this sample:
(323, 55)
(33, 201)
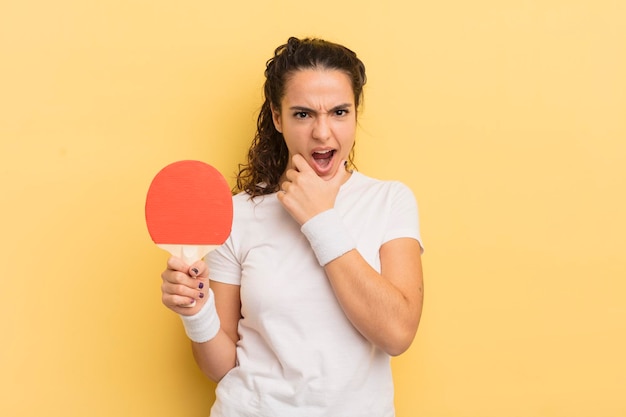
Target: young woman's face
(318, 118)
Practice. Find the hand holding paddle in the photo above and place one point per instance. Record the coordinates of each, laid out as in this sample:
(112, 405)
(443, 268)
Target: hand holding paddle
(189, 210)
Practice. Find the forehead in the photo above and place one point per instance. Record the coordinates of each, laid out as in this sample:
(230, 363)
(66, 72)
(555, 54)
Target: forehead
(319, 83)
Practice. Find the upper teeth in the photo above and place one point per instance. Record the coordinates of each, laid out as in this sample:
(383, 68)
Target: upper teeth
(329, 150)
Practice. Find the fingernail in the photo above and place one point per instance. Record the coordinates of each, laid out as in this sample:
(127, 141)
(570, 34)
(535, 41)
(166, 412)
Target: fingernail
(201, 295)
(195, 271)
(201, 285)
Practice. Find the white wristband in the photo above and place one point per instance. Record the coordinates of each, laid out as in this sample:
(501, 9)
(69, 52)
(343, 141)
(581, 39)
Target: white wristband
(328, 236)
(204, 325)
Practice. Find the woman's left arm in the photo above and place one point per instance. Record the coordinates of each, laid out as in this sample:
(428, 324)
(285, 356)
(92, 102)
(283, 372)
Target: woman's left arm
(384, 307)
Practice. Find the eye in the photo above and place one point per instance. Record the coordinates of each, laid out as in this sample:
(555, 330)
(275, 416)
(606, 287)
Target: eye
(341, 112)
(300, 115)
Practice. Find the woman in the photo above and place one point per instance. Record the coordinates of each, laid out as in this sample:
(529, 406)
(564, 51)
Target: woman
(320, 281)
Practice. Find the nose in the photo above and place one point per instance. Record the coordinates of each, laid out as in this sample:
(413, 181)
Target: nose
(321, 128)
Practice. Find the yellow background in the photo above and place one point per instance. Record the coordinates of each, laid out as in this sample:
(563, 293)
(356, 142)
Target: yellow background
(506, 118)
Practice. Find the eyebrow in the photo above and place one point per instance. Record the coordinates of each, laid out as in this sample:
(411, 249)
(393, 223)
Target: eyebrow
(308, 110)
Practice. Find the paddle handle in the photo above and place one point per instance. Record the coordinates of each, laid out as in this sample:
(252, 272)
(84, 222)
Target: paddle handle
(189, 254)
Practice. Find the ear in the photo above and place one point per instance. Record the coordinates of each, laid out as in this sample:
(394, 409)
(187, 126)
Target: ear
(276, 118)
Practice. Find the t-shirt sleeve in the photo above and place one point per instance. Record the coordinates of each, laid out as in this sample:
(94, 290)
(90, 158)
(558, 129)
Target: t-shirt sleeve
(404, 216)
(223, 264)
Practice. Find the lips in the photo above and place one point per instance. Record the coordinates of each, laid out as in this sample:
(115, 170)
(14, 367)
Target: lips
(322, 160)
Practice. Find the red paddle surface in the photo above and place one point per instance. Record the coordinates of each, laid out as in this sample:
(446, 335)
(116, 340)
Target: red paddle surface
(189, 203)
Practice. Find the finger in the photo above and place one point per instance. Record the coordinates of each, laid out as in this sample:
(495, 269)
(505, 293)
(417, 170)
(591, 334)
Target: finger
(177, 278)
(199, 269)
(175, 301)
(291, 175)
(190, 289)
(177, 264)
(301, 164)
(285, 185)
(180, 290)
(280, 195)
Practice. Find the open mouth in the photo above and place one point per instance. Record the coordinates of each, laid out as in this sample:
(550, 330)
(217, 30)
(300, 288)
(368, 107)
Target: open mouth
(323, 159)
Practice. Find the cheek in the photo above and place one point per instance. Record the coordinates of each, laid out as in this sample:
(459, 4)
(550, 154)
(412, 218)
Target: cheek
(295, 134)
(291, 141)
(347, 134)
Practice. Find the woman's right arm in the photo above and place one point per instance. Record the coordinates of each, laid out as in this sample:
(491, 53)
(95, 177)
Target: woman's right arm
(218, 356)
(181, 285)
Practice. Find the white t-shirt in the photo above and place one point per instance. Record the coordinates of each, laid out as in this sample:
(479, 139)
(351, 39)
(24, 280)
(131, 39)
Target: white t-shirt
(298, 355)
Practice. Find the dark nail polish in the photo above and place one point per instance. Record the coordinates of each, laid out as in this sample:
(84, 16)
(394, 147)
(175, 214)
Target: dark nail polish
(195, 270)
(201, 285)
(201, 295)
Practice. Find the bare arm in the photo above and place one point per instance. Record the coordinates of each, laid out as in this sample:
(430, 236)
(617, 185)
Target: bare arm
(218, 356)
(181, 285)
(385, 308)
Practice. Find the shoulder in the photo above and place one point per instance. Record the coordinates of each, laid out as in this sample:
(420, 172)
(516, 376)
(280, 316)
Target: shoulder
(243, 201)
(262, 208)
(361, 183)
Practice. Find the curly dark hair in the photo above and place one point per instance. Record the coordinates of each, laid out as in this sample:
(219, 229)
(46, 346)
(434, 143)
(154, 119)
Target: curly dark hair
(268, 155)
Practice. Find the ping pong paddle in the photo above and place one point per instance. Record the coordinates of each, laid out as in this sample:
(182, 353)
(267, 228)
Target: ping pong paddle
(189, 209)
